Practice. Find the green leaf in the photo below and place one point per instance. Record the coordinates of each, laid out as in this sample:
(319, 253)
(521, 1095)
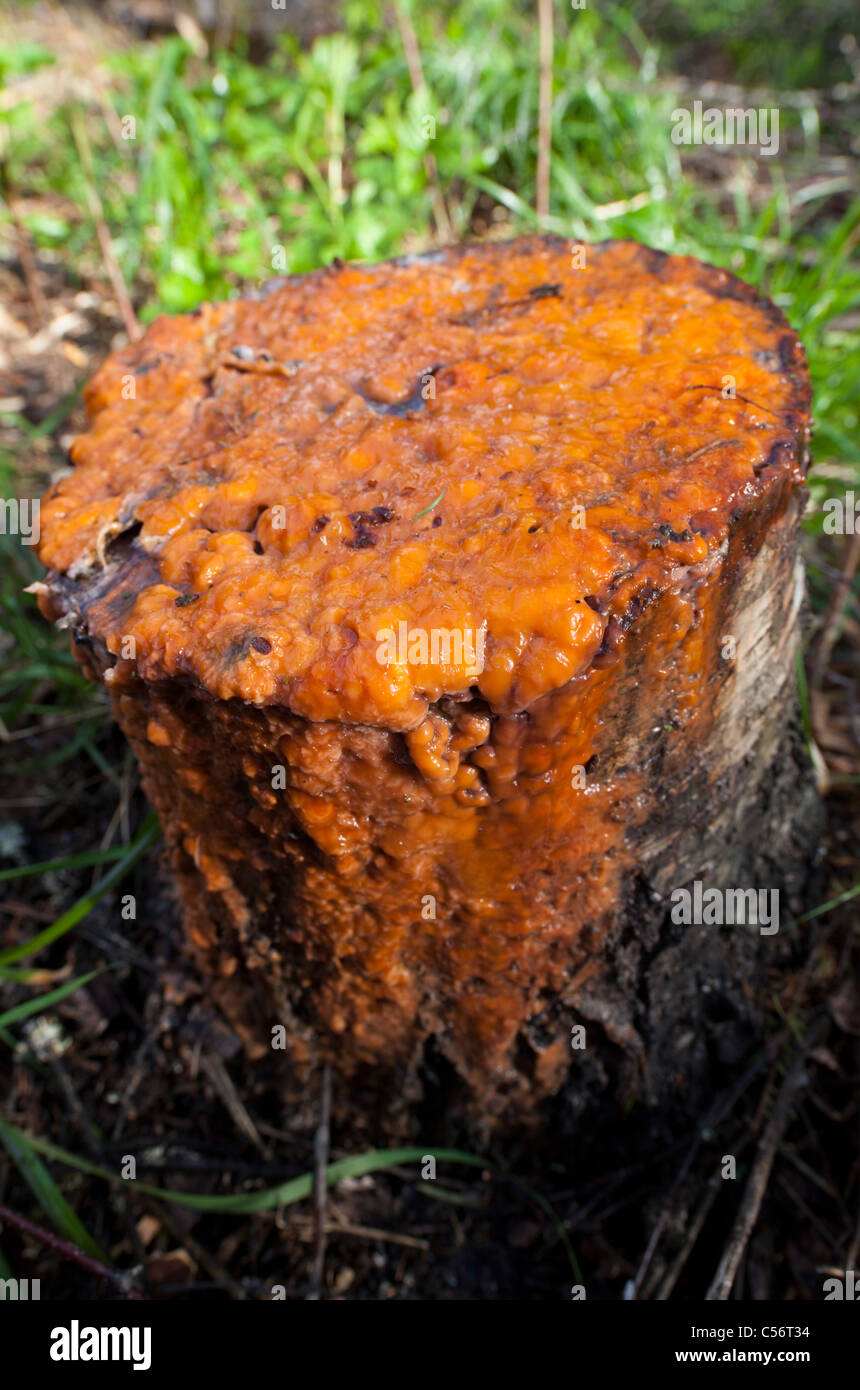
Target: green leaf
(829, 906)
(146, 837)
(44, 1001)
(49, 1196)
(433, 504)
(296, 1189)
(71, 861)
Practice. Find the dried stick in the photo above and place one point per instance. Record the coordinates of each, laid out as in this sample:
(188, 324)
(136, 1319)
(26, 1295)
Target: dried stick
(851, 1258)
(25, 254)
(674, 1273)
(321, 1141)
(222, 1082)
(220, 1276)
(721, 1107)
(67, 1249)
(544, 106)
(412, 52)
(721, 1285)
(827, 640)
(129, 318)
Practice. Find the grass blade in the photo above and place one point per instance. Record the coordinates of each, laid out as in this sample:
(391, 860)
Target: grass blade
(48, 1195)
(145, 837)
(71, 861)
(296, 1189)
(44, 1001)
(829, 906)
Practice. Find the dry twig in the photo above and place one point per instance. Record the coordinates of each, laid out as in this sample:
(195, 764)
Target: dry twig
(544, 107)
(70, 1251)
(724, 1278)
(409, 39)
(129, 318)
(321, 1142)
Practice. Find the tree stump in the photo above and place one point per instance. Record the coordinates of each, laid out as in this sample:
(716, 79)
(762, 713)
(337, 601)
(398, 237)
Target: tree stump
(450, 607)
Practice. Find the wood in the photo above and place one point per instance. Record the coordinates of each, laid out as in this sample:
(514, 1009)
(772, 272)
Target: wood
(430, 872)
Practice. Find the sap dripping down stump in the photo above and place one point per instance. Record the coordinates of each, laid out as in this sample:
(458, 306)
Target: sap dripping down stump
(450, 607)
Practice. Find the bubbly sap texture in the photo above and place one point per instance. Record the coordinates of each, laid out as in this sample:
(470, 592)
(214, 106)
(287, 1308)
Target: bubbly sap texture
(572, 467)
(490, 438)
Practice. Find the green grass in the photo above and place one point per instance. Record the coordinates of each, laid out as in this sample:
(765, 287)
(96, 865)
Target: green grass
(25, 1148)
(144, 840)
(803, 37)
(321, 153)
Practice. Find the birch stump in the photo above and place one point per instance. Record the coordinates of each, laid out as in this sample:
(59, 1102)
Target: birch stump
(450, 606)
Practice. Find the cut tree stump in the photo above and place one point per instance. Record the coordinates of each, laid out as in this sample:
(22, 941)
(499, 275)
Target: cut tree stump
(451, 609)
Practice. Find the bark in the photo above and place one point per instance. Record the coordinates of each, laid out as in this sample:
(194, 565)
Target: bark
(701, 766)
(434, 908)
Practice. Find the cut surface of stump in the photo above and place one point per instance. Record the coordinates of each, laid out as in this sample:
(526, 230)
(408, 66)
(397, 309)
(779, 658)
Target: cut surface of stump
(450, 607)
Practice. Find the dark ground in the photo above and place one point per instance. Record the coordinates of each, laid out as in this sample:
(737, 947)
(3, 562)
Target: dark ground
(139, 1053)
